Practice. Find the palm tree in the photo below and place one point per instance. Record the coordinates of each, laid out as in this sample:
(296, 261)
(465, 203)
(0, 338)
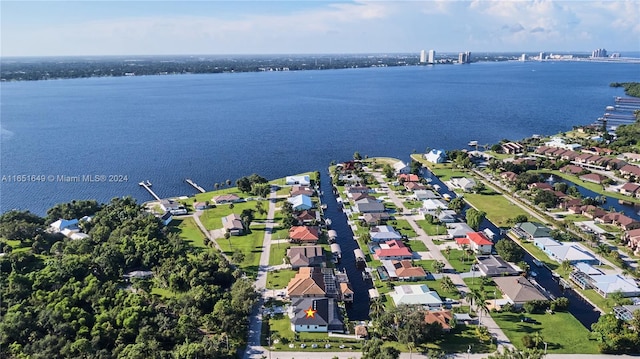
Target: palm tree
(464, 250)
(565, 265)
(228, 182)
(376, 308)
(448, 252)
(447, 284)
(537, 339)
(411, 346)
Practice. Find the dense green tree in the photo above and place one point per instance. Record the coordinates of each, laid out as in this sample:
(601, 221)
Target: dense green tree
(509, 250)
(457, 204)
(375, 349)
(474, 218)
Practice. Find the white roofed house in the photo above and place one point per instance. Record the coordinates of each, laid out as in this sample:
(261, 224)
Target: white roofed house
(401, 168)
(430, 206)
(416, 294)
(298, 180)
(300, 202)
(175, 207)
(435, 156)
(466, 184)
(423, 194)
(65, 224)
(384, 233)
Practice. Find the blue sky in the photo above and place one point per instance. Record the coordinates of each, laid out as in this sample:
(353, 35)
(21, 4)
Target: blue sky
(61, 28)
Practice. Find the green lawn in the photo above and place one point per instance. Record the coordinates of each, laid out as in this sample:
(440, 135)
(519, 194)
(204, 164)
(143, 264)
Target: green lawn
(412, 204)
(458, 260)
(189, 232)
(417, 246)
(432, 229)
(446, 174)
(539, 254)
(498, 208)
(490, 289)
(403, 226)
(277, 253)
(212, 218)
(281, 325)
(163, 292)
(562, 331)
(280, 279)
(250, 245)
(574, 218)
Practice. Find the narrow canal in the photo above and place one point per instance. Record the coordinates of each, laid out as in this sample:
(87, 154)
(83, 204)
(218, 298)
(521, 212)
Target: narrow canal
(359, 310)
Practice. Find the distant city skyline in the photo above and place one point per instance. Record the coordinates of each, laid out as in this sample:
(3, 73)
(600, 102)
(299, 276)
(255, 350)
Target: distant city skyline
(77, 28)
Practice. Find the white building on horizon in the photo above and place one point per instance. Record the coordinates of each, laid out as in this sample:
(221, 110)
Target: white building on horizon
(423, 56)
(432, 57)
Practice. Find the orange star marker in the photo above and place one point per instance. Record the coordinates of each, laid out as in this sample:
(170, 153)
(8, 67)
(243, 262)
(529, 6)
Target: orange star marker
(310, 312)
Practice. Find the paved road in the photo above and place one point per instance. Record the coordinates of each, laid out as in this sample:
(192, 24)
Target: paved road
(436, 254)
(254, 350)
(347, 355)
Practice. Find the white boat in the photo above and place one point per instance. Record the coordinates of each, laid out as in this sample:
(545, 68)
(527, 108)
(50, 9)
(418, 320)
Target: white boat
(473, 143)
(446, 196)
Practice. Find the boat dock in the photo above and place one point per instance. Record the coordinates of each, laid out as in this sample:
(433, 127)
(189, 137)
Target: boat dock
(147, 186)
(195, 185)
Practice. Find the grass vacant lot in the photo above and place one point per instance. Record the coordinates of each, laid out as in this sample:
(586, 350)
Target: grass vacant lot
(459, 260)
(499, 209)
(188, 230)
(277, 253)
(446, 174)
(250, 245)
(417, 246)
(432, 229)
(562, 332)
(403, 226)
(212, 218)
(280, 279)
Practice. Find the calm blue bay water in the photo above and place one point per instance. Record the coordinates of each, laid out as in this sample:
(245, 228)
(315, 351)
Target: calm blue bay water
(224, 126)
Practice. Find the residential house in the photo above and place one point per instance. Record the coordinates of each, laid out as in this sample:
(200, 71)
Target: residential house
(384, 233)
(559, 143)
(625, 312)
(442, 317)
(593, 178)
(447, 216)
(540, 185)
(421, 195)
(298, 180)
(435, 156)
(495, 266)
(630, 170)
(403, 270)
(632, 239)
(531, 230)
(583, 158)
(464, 183)
(615, 164)
(233, 224)
(304, 234)
(346, 292)
(393, 249)
(175, 207)
(307, 217)
(357, 189)
(307, 283)
(458, 230)
(414, 186)
(518, 290)
(300, 202)
(301, 190)
(316, 315)
(564, 251)
(430, 206)
(374, 219)
(416, 294)
(635, 157)
(358, 196)
(477, 241)
(588, 277)
(65, 224)
(226, 198)
(401, 167)
(166, 218)
(368, 205)
(512, 148)
(619, 219)
(199, 206)
(572, 169)
(410, 177)
(508, 176)
(306, 256)
(630, 189)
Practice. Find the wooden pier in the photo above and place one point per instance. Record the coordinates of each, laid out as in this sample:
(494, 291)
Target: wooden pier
(147, 186)
(195, 185)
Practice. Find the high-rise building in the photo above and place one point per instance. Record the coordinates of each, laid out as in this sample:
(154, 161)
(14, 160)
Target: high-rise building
(599, 53)
(468, 56)
(423, 56)
(523, 57)
(432, 57)
(541, 56)
(462, 58)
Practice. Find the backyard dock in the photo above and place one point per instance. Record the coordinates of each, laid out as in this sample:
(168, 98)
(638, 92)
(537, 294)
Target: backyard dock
(147, 186)
(195, 185)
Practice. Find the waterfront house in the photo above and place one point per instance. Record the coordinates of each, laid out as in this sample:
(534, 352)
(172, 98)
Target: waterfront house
(632, 239)
(233, 224)
(301, 190)
(298, 180)
(393, 249)
(358, 196)
(540, 185)
(226, 198)
(65, 224)
(588, 277)
(421, 195)
(384, 233)
(458, 230)
(306, 256)
(307, 217)
(557, 142)
(625, 312)
(414, 186)
(442, 317)
(166, 218)
(447, 216)
(316, 315)
(531, 230)
(620, 220)
(512, 148)
(431, 205)
(198, 206)
(401, 167)
(300, 202)
(518, 290)
(175, 207)
(572, 169)
(307, 283)
(630, 189)
(351, 190)
(346, 292)
(593, 177)
(418, 294)
(403, 270)
(630, 170)
(477, 241)
(368, 205)
(564, 251)
(304, 234)
(374, 219)
(495, 266)
(466, 184)
(435, 156)
(403, 177)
